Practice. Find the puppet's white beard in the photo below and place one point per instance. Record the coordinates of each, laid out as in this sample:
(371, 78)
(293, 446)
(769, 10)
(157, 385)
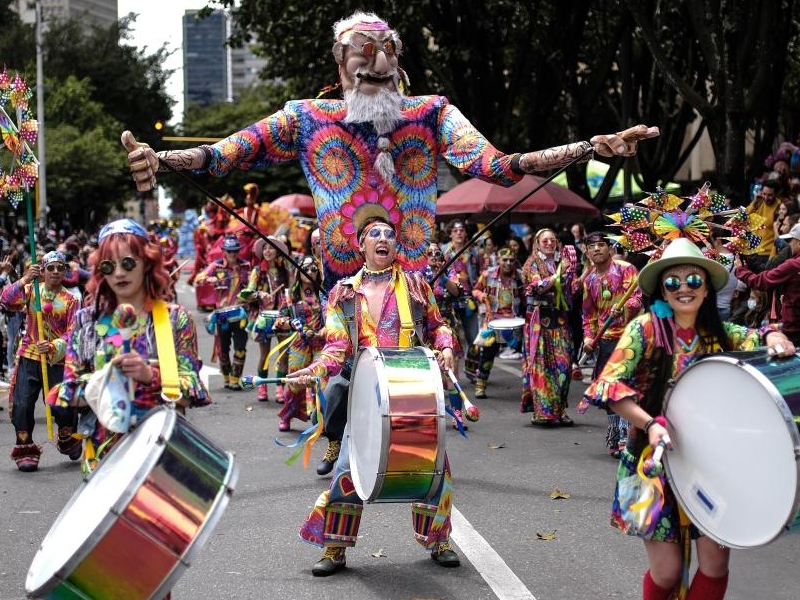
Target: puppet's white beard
(382, 109)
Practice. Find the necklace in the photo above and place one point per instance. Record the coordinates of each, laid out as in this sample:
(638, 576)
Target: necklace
(380, 275)
(687, 338)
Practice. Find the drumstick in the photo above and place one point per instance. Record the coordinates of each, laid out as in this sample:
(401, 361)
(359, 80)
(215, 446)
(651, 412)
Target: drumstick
(470, 410)
(124, 318)
(178, 268)
(652, 467)
(607, 323)
(249, 382)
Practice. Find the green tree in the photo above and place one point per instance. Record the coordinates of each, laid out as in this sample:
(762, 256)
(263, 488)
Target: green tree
(728, 63)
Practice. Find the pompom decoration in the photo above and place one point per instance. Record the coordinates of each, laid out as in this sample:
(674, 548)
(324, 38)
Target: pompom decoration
(472, 413)
(19, 172)
(47, 307)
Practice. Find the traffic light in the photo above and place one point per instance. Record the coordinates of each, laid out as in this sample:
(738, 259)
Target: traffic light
(158, 126)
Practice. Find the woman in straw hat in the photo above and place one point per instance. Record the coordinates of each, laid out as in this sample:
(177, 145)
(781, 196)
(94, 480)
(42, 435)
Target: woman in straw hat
(681, 325)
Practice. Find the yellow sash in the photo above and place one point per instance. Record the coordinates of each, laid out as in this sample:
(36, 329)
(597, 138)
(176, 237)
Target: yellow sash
(406, 336)
(165, 346)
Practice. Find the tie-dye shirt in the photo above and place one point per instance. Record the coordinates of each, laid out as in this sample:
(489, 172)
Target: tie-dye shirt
(337, 159)
(58, 318)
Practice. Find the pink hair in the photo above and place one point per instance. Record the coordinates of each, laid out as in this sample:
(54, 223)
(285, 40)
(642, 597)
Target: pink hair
(156, 277)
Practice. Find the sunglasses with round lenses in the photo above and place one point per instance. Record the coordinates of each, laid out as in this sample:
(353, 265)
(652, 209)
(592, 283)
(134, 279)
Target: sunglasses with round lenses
(693, 282)
(378, 232)
(107, 267)
(370, 49)
(55, 268)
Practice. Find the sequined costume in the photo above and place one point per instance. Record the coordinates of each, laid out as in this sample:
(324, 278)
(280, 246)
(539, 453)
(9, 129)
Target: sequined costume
(58, 318)
(601, 291)
(336, 516)
(547, 339)
(95, 342)
(628, 374)
(337, 159)
(229, 281)
(503, 297)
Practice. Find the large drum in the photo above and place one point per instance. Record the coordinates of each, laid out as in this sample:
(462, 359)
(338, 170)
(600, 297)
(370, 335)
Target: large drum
(397, 425)
(133, 528)
(734, 470)
(507, 329)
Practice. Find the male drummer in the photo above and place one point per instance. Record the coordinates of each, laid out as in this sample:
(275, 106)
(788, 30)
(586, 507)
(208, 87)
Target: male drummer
(229, 275)
(380, 306)
(604, 284)
(501, 291)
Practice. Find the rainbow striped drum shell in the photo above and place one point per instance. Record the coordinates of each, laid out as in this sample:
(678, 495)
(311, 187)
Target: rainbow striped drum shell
(132, 529)
(396, 420)
(733, 420)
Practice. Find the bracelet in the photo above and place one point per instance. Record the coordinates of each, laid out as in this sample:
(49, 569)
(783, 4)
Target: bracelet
(660, 420)
(648, 425)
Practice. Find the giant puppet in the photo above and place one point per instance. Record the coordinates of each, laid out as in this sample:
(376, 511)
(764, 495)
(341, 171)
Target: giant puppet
(375, 150)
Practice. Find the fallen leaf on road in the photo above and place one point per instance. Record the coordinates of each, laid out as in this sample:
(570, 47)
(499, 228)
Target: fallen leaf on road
(248, 408)
(558, 495)
(379, 554)
(496, 446)
(547, 537)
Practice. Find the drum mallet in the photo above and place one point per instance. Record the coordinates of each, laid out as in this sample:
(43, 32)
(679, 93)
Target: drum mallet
(471, 411)
(618, 305)
(250, 382)
(652, 466)
(124, 318)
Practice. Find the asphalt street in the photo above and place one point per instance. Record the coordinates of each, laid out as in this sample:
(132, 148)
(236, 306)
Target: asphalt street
(530, 513)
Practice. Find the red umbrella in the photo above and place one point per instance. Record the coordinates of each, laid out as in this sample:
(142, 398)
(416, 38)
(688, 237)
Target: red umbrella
(301, 204)
(482, 201)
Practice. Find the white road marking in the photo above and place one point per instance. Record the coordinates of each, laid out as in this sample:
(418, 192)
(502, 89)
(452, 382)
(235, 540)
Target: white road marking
(504, 583)
(206, 372)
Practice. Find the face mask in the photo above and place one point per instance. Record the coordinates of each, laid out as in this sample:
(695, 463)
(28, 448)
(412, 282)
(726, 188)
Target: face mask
(752, 304)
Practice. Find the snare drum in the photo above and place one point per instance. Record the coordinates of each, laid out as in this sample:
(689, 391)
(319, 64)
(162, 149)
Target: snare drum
(507, 329)
(262, 329)
(133, 528)
(396, 419)
(734, 470)
(231, 314)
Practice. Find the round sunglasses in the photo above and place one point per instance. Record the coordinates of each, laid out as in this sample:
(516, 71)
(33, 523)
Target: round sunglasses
(673, 283)
(55, 268)
(107, 267)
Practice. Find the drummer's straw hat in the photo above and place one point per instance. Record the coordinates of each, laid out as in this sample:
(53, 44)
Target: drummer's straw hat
(681, 251)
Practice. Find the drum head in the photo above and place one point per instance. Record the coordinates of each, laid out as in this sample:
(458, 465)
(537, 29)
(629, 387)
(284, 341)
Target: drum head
(369, 394)
(91, 511)
(733, 467)
(507, 323)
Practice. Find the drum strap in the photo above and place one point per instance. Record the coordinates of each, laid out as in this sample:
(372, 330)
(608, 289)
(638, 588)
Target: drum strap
(165, 346)
(406, 337)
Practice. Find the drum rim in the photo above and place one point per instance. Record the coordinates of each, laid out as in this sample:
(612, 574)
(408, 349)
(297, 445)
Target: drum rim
(93, 538)
(518, 322)
(787, 417)
(374, 354)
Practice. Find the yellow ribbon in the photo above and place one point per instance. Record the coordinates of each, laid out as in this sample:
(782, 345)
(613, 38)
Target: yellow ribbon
(165, 346)
(404, 309)
(281, 348)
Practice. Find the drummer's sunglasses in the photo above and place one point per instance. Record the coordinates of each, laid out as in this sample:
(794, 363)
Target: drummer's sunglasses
(107, 267)
(693, 282)
(370, 49)
(52, 268)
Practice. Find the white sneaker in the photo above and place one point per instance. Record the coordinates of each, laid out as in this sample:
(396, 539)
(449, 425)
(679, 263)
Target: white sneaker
(513, 355)
(506, 352)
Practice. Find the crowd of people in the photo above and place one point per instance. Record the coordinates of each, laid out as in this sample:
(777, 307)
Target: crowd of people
(380, 272)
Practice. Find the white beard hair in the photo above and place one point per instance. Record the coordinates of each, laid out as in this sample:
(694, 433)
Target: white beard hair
(381, 109)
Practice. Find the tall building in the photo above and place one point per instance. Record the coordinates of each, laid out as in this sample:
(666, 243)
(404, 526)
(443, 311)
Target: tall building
(206, 59)
(213, 72)
(95, 12)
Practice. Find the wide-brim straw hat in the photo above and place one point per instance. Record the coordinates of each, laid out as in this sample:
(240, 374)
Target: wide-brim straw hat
(681, 251)
(258, 247)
